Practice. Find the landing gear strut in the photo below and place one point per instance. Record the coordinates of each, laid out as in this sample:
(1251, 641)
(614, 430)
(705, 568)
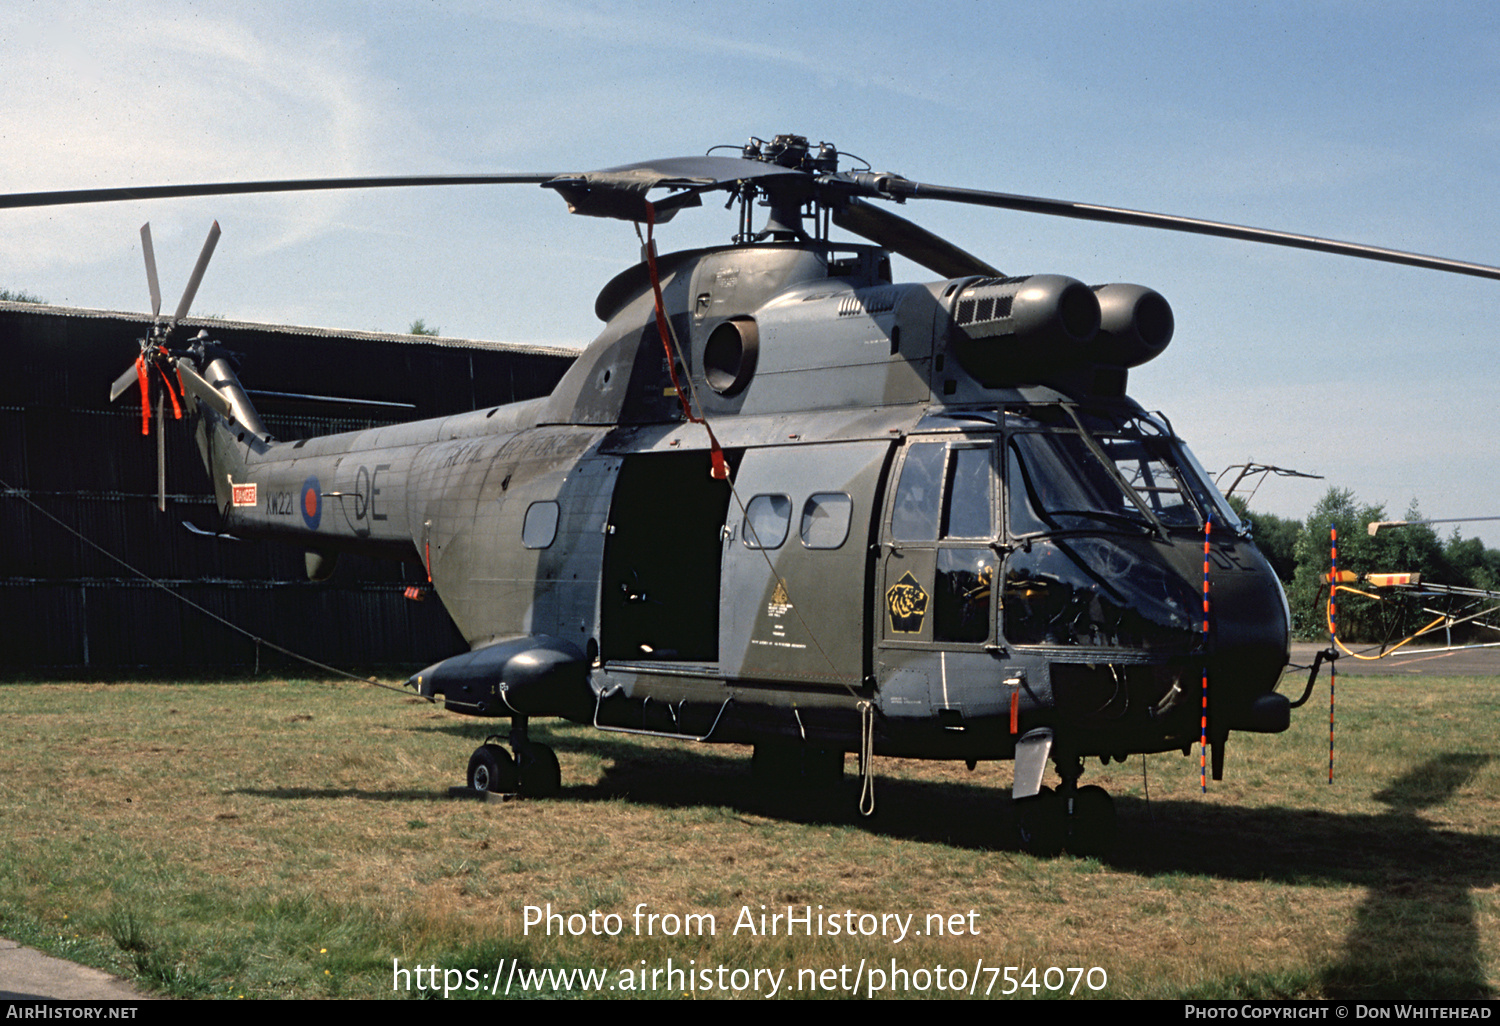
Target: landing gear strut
(1078, 819)
(532, 772)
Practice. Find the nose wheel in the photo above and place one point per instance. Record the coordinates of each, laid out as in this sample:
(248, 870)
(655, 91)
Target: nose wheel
(492, 769)
(1080, 820)
(1043, 823)
(537, 770)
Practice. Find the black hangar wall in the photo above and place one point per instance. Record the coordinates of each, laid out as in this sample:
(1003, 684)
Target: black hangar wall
(67, 453)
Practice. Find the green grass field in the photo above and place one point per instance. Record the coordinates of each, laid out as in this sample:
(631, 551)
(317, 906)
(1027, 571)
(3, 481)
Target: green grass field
(294, 839)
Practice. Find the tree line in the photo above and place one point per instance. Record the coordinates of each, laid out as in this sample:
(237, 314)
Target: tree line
(1299, 552)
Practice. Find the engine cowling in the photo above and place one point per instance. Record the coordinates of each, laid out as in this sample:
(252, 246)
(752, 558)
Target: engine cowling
(1135, 325)
(1010, 331)
(1047, 327)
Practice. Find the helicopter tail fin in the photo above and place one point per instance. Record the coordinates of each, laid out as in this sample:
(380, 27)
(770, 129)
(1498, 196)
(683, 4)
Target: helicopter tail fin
(214, 392)
(218, 388)
(228, 426)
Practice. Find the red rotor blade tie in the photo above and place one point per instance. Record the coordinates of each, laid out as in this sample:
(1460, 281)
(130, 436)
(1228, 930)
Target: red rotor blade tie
(140, 374)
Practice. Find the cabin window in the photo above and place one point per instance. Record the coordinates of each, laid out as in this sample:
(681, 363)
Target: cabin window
(825, 520)
(539, 529)
(768, 518)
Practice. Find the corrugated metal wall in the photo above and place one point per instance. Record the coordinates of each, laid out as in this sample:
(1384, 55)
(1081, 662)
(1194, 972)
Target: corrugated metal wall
(65, 606)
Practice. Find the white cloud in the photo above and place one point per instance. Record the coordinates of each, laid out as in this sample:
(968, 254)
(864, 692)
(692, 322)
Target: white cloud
(115, 95)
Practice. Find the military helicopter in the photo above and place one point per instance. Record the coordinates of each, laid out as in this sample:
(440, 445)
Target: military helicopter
(785, 501)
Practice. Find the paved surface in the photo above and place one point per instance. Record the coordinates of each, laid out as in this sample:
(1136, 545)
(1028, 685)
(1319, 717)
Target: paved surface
(1409, 660)
(30, 975)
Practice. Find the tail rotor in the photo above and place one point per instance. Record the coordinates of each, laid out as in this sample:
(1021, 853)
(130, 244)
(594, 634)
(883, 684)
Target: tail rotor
(156, 361)
(150, 254)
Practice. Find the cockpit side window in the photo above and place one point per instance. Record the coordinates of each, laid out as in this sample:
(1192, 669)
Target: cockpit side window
(945, 492)
(918, 503)
(971, 484)
(943, 521)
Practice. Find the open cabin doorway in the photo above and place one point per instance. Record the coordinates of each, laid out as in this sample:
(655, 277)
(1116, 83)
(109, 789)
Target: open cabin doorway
(662, 558)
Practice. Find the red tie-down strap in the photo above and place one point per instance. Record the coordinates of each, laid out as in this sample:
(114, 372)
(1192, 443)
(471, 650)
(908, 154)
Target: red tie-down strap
(720, 466)
(171, 392)
(143, 376)
(145, 382)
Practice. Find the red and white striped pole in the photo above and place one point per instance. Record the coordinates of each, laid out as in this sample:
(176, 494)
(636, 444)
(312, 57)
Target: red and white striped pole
(1208, 527)
(1333, 633)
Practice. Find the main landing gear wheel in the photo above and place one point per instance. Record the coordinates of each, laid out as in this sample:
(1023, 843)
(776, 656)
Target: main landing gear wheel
(1091, 825)
(492, 769)
(536, 765)
(1042, 821)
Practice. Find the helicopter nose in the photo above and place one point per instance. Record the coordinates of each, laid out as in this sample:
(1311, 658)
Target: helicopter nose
(1249, 650)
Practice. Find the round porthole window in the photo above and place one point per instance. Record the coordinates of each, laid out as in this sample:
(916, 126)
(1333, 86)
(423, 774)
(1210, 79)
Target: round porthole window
(539, 529)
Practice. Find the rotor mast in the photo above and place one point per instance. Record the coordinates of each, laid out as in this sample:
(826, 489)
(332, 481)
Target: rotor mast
(787, 207)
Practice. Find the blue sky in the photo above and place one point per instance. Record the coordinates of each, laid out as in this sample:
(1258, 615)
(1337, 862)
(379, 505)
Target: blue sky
(1367, 121)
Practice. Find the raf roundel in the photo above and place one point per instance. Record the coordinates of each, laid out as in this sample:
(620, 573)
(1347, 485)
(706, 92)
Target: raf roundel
(312, 503)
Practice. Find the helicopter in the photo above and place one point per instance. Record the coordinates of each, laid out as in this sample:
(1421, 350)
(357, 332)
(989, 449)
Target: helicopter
(785, 501)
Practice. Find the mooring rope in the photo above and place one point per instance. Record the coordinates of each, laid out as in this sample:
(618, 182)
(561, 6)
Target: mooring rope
(20, 494)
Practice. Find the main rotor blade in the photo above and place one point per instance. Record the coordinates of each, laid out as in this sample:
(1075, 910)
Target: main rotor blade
(710, 171)
(917, 244)
(197, 277)
(620, 191)
(150, 253)
(896, 187)
(142, 192)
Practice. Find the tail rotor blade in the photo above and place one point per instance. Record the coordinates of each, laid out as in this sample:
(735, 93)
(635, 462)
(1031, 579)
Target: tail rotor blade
(198, 269)
(151, 280)
(130, 379)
